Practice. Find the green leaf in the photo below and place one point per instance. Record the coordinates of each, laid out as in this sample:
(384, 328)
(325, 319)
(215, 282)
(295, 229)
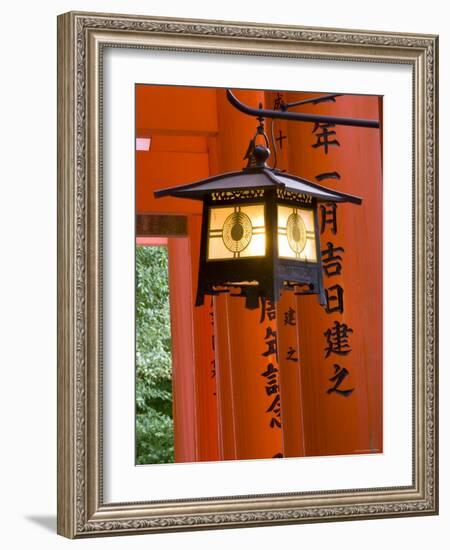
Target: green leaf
(154, 417)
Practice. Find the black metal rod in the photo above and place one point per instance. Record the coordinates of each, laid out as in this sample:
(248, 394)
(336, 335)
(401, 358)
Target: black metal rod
(302, 117)
(313, 100)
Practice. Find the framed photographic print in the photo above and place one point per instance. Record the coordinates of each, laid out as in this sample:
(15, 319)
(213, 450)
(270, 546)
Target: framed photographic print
(247, 274)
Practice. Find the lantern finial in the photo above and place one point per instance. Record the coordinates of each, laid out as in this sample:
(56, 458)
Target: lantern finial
(260, 155)
(256, 155)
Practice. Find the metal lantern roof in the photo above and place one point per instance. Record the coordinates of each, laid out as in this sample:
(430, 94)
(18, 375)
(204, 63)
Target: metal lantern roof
(256, 178)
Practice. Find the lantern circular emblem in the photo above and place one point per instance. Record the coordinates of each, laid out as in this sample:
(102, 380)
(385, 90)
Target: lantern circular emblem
(237, 231)
(296, 233)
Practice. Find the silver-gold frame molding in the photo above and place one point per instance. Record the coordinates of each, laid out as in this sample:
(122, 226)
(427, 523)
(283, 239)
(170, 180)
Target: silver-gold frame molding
(81, 38)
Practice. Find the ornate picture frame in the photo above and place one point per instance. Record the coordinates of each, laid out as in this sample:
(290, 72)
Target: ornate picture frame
(82, 38)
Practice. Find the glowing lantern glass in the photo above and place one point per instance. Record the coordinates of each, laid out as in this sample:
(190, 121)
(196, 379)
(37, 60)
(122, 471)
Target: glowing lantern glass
(236, 232)
(259, 231)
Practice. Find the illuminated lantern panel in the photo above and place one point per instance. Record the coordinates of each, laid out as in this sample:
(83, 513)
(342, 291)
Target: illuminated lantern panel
(236, 232)
(296, 236)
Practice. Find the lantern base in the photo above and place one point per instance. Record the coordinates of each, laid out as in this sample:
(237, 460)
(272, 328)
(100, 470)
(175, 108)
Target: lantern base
(254, 291)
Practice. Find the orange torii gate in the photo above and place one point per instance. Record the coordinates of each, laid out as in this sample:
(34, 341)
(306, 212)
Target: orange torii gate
(224, 368)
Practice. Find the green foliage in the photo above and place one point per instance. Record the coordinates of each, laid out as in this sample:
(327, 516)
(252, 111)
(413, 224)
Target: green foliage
(154, 421)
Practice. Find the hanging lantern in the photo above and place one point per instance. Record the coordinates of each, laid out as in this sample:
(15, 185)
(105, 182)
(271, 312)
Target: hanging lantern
(259, 230)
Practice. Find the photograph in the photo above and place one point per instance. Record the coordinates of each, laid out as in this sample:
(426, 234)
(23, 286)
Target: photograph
(246, 274)
(259, 274)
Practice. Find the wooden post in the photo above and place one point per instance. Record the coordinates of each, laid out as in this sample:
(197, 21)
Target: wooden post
(341, 344)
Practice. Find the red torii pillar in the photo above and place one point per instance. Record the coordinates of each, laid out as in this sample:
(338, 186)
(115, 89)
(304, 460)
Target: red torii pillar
(288, 339)
(246, 363)
(342, 350)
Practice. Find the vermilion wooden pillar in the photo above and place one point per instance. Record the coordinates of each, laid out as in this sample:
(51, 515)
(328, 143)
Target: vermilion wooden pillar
(193, 372)
(204, 369)
(290, 376)
(288, 340)
(246, 361)
(342, 351)
(183, 352)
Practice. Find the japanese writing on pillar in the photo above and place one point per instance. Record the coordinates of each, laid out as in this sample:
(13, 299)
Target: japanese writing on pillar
(279, 137)
(290, 320)
(289, 316)
(339, 335)
(271, 373)
(213, 343)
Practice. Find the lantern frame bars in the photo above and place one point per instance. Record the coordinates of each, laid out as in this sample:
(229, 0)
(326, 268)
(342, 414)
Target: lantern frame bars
(259, 277)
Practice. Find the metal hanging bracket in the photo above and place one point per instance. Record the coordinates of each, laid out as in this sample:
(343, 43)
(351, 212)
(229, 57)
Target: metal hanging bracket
(301, 117)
